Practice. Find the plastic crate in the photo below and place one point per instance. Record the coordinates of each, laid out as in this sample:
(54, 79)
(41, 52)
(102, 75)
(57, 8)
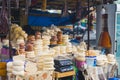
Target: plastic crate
(114, 79)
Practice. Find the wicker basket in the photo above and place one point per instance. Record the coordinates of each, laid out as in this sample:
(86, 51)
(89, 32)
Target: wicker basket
(3, 69)
(3, 72)
(2, 65)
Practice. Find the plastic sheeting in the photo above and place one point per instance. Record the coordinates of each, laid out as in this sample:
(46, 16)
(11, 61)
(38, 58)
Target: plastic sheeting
(39, 19)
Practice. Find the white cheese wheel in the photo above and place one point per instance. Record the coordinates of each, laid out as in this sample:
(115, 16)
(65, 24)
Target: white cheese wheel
(9, 64)
(69, 44)
(48, 59)
(20, 41)
(31, 67)
(5, 42)
(21, 73)
(111, 58)
(30, 54)
(69, 49)
(100, 62)
(40, 65)
(49, 62)
(62, 49)
(38, 42)
(80, 58)
(18, 68)
(38, 46)
(48, 68)
(9, 70)
(74, 49)
(52, 51)
(18, 63)
(19, 57)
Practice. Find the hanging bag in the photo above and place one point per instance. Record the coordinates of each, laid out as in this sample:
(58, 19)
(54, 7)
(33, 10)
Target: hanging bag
(4, 18)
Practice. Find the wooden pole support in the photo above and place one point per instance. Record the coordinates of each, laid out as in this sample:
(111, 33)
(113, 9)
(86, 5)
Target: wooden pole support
(44, 5)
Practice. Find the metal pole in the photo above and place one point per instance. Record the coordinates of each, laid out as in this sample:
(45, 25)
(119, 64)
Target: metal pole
(88, 25)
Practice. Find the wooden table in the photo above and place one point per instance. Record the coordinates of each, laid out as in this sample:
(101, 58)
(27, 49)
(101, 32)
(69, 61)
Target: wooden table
(58, 75)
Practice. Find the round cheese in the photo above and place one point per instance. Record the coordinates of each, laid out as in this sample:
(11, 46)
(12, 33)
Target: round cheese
(21, 73)
(18, 63)
(18, 68)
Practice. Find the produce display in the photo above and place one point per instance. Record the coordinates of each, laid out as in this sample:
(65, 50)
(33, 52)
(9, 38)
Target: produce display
(59, 37)
(21, 49)
(35, 54)
(53, 40)
(17, 33)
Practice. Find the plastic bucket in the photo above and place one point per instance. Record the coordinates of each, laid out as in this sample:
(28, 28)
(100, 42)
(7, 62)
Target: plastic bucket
(91, 60)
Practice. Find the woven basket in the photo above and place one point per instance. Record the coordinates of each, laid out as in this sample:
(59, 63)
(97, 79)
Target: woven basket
(2, 65)
(3, 72)
(3, 69)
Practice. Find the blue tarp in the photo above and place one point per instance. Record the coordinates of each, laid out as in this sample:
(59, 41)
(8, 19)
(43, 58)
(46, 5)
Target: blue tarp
(36, 20)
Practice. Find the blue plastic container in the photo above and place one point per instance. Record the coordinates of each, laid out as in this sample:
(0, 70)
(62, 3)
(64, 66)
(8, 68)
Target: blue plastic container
(114, 79)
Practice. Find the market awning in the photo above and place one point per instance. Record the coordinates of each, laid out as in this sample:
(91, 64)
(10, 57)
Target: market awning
(39, 18)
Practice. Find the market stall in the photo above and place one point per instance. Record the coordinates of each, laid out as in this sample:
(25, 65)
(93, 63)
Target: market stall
(51, 53)
(35, 56)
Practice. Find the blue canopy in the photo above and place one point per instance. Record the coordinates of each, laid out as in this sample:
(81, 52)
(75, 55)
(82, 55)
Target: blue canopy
(39, 18)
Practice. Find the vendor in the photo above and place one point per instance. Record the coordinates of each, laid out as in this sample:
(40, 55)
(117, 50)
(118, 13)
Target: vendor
(79, 28)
